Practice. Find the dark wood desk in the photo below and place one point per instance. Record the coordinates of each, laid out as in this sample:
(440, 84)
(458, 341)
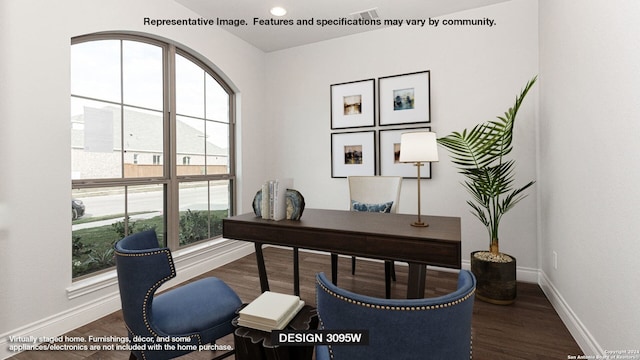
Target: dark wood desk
(372, 235)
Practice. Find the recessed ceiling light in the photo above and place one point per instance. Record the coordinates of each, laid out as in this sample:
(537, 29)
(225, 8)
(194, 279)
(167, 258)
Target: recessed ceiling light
(278, 11)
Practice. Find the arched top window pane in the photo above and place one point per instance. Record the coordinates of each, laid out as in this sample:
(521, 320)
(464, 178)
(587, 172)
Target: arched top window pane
(95, 69)
(189, 88)
(217, 101)
(142, 74)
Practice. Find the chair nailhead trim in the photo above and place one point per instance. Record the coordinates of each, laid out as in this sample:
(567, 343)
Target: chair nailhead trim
(471, 344)
(397, 308)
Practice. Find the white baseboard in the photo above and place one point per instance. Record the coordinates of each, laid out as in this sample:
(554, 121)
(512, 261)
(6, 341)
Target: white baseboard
(190, 262)
(578, 330)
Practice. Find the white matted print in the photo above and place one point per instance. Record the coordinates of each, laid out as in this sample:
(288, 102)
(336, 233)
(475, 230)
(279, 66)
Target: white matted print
(390, 164)
(353, 104)
(405, 99)
(353, 153)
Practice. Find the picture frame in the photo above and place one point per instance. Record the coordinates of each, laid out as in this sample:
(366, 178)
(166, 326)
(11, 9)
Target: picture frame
(353, 104)
(389, 154)
(405, 98)
(353, 153)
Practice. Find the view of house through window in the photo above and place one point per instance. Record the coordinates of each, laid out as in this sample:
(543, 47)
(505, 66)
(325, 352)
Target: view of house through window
(137, 164)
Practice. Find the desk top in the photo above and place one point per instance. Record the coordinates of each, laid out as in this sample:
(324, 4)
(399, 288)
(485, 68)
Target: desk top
(397, 225)
(385, 236)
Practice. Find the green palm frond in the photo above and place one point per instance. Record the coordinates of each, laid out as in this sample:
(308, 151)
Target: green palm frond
(479, 153)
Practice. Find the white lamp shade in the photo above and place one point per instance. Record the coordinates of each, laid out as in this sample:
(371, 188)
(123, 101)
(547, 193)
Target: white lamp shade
(418, 146)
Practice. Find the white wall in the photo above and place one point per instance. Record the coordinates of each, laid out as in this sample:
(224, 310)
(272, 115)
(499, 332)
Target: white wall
(476, 74)
(35, 260)
(590, 166)
(585, 158)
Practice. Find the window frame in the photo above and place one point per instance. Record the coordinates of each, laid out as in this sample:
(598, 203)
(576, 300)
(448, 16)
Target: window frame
(169, 158)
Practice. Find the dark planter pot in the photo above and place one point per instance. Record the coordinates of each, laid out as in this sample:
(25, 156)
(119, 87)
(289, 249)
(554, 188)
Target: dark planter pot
(496, 281)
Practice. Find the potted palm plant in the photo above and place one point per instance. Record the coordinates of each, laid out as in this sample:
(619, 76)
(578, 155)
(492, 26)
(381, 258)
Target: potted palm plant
(480, 154)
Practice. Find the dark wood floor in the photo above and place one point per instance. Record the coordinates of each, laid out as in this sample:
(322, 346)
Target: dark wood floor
(529, 329)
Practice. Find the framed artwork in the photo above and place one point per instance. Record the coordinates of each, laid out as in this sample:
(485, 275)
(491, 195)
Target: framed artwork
(353, 153)
(405, 99)
(353, 104)
(390, 164)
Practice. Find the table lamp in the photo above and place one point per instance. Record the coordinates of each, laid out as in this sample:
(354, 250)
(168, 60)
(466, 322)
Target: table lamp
(418, 147)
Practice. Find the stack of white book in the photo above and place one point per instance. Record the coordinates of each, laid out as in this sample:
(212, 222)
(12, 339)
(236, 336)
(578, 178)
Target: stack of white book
(270, 311)
(274, 199)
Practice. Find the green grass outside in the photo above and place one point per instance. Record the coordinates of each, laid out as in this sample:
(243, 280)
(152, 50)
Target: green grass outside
(93, 247)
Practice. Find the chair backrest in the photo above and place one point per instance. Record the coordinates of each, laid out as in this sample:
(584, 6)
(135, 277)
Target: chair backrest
(375, 190)
(142, 267)
(431, 328)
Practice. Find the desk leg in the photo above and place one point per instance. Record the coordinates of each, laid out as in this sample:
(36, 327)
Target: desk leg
(334, 269)
(262, 270)
(387, 279)
(417, 276)
(296, 272)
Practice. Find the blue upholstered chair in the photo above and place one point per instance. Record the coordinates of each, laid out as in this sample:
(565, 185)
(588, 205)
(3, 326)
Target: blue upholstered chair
(433, 328)
(200, 311)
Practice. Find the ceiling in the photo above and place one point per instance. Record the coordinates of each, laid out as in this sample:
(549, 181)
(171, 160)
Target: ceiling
(276, 37)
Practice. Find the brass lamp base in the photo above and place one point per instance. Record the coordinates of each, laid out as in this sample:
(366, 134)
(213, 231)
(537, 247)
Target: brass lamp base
(419, 222)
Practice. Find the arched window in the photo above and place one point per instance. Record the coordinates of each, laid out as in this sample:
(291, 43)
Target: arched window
(139, 107)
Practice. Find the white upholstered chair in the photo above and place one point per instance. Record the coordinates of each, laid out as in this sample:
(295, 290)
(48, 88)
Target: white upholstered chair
(375, 190)
(373, 193)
